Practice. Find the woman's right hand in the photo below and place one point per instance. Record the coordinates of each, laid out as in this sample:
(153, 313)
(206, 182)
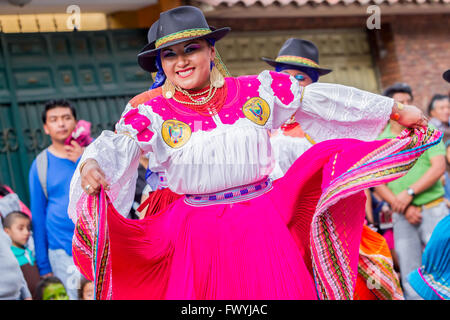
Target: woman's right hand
(92, 178)
(411, 117)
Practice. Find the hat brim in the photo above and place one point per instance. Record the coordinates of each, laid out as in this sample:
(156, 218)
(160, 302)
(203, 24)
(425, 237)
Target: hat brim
(147, 55)
(446, 75)
(274, 63)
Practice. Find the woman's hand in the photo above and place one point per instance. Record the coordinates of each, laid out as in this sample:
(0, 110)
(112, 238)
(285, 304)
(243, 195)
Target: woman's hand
(92, 177)
(410, 116)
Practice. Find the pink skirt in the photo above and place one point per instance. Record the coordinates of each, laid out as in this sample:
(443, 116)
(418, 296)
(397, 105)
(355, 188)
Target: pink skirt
(298, 239)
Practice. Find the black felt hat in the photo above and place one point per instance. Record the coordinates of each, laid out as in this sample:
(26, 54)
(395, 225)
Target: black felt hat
(446, 75)
(298, 53)
(175, 26)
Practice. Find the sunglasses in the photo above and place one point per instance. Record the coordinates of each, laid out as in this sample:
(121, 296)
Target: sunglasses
(299, 77)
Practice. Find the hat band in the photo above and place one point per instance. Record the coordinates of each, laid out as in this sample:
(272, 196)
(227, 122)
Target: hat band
(182, 35)
(295, 59)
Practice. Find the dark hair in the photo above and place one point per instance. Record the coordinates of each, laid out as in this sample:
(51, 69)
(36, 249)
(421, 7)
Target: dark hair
(3, 190)
(398, 87)
(55, 104)
(433, 100)
(83, 283)
(39, 292)
(12, 216)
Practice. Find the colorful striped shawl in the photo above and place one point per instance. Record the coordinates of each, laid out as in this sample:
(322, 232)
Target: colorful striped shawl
(332, 272)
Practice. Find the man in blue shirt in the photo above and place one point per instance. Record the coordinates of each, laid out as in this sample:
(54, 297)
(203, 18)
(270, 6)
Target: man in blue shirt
(52, 228)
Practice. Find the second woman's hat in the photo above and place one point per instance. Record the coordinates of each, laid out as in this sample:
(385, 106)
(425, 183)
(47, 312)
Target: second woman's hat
(298, 53)
(446, 75)
(175, 26)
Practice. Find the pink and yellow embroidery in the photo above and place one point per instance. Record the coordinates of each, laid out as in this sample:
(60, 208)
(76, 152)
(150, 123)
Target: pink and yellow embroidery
(295, 59)
(182, 35)
(140, 123)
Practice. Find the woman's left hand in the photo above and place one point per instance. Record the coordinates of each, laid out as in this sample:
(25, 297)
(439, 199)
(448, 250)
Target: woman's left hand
(411, 117)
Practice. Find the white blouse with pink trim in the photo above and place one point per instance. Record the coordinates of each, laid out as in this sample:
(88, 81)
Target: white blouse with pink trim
(348, 113)
(204, 154)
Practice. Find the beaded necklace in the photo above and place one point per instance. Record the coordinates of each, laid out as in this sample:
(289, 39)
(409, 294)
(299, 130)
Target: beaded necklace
(207, 102)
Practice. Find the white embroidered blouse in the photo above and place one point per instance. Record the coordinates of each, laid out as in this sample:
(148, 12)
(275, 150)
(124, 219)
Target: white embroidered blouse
(350, 113)
(200, 154)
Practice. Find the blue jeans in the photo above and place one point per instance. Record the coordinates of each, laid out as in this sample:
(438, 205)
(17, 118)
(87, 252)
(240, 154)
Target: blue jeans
(411, 239)
(65, 270)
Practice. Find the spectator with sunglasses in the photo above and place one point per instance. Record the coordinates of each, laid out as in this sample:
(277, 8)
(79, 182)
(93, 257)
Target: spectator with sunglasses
(300, 59)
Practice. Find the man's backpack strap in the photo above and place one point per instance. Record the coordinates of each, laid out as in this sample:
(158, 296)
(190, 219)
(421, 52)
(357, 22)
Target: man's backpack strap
(42, 165)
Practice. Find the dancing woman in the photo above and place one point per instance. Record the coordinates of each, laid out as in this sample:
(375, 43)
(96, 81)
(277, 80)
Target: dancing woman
(232, 235)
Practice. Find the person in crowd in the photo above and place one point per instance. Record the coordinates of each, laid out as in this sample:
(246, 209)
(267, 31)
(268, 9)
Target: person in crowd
(439, 110)
(51, 288)
(432, 279)
(382, 221)
(17, 226)
(233, 234)
(49, 180)
(86, 291)
(445, 179)
(12, 282)
(417, 199)
(9, 201)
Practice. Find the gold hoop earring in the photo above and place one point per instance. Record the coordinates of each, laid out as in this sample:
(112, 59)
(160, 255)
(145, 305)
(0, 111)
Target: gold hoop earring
(168, 89)
(216, 78)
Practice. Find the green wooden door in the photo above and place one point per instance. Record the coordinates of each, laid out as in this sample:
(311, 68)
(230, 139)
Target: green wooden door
(97, 71)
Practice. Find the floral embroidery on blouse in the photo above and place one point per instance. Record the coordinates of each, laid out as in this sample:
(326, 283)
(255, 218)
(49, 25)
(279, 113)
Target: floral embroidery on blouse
(140, 123)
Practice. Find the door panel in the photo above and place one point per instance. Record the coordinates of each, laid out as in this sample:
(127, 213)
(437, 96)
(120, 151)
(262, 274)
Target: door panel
(96, 71)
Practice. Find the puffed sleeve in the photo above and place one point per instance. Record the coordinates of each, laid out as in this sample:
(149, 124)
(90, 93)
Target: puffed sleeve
(324, 110)
(332, 111)
(118, 156)
(283, 95)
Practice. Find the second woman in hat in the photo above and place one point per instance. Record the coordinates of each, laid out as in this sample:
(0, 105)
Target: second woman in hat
(300, 59)
(232, 235)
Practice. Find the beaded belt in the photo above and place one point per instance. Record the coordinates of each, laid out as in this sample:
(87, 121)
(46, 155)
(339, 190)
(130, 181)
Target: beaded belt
(233, 195)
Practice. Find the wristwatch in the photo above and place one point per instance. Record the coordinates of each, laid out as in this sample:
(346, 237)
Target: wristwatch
(411, 192)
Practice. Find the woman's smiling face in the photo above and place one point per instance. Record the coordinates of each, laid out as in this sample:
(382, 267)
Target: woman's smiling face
(187, 64)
